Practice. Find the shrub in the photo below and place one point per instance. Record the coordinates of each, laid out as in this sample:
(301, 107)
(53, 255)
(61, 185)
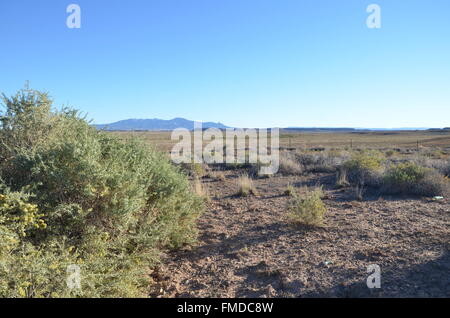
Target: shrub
(433, 184)
(390, 153)
(75, 195)
(365, 168)
(288, 165)
(253, 170)
(307, 208)
(441, 165)
(403, 177)
(290, 190)
(410, 178)
(217, 175)
(201, 190)
(327, 161)
(246, 186)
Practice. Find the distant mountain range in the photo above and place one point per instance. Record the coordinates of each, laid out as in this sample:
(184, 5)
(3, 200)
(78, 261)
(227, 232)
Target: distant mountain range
(156, 124)
(161, 124)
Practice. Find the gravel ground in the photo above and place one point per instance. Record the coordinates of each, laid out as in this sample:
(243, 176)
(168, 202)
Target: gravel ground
(248, 248)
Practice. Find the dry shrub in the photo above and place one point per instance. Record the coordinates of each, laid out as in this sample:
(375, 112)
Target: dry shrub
(246, 187)
(326, 161)
(217, 175)
(441, 165)
(201, 190)
(433, 184)
(288, 165)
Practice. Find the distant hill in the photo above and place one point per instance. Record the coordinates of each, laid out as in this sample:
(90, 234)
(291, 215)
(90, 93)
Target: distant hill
(318, 129)
(156, 124)
(161, 124)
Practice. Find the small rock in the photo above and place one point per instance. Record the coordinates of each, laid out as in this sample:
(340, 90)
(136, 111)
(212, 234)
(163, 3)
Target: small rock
(285, 282)
(271, 292)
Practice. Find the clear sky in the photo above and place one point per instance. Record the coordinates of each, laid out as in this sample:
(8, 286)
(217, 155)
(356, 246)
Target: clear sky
(245, 63)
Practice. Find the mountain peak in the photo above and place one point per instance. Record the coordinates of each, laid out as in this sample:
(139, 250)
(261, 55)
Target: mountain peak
(156, 124)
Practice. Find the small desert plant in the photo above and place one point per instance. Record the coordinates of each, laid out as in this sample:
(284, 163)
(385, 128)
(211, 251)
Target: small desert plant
(307, 208)
(217, 175)
(201, 190)
(246, 186)
(290, 190)
(410, 178)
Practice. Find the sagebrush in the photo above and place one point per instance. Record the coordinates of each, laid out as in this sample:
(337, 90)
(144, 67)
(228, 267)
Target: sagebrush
(307, 208)
(410, 178)
(70, 194)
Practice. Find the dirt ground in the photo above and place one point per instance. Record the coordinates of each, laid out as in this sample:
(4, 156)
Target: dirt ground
(248, 248)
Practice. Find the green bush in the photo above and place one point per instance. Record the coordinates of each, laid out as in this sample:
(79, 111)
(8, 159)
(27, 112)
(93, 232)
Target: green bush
(365, 168)
(73, 195)
(308, 208)
(410, 178)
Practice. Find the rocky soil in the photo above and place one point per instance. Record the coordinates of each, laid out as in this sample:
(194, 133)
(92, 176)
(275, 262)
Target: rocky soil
(248, 248)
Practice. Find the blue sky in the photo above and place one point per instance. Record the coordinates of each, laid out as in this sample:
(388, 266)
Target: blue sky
(246, 63)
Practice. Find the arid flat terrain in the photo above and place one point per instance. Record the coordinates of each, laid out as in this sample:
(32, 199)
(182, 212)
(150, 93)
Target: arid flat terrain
(248, 248)
(405, 140)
